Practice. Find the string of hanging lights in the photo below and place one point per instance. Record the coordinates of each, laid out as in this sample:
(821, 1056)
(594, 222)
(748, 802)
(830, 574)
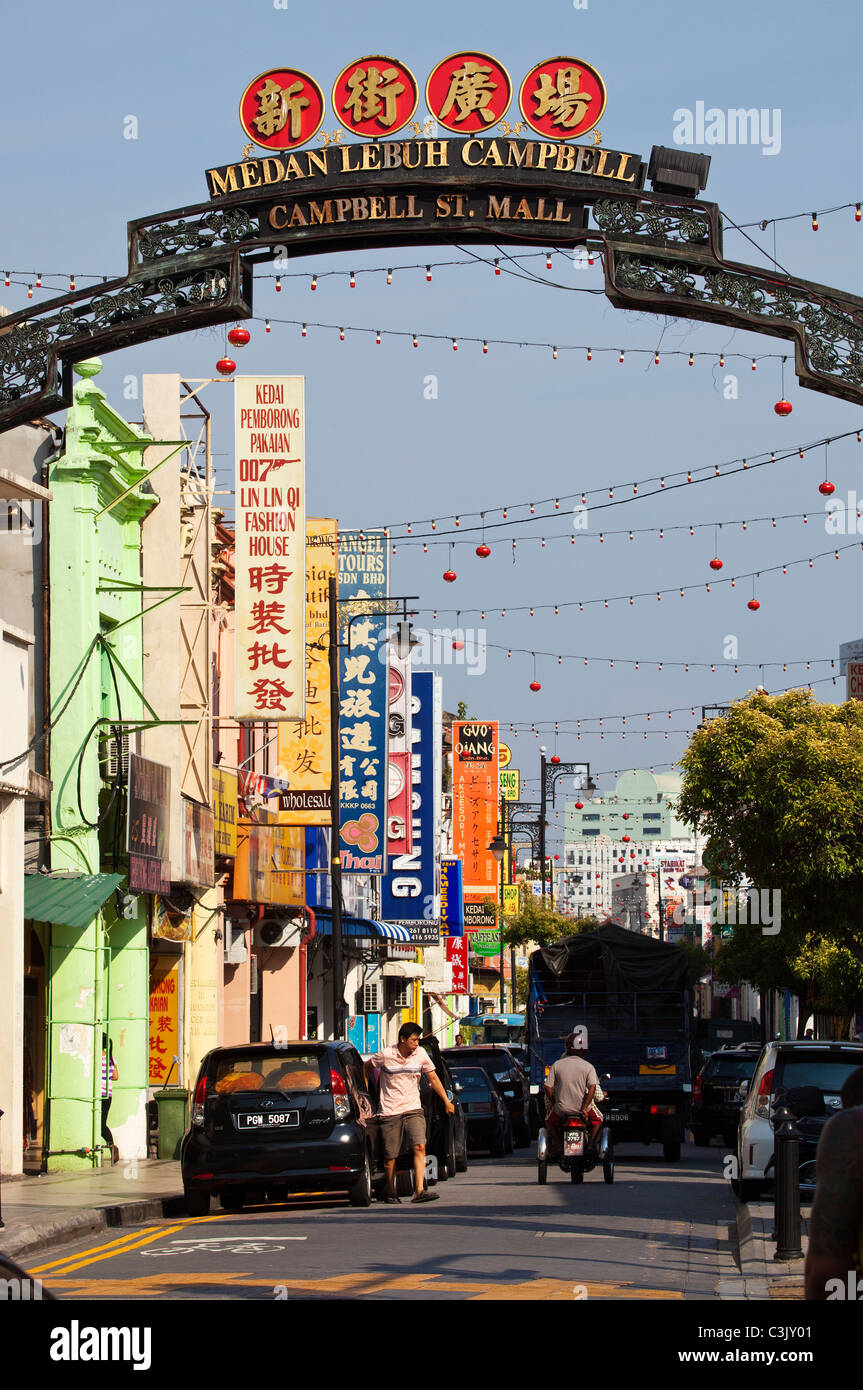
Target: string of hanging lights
(657, 594)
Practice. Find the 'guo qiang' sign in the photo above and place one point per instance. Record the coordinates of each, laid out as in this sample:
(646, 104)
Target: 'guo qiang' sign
(269, 440)
(475, 807)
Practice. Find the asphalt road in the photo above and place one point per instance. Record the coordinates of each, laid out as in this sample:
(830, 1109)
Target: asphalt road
(660, 1231)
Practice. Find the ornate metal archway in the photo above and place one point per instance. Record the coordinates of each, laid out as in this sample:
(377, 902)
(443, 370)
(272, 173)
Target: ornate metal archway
(194, 266)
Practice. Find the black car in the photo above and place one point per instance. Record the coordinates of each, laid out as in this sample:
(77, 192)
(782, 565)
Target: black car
(488, 1121)
(502, 1067)
(715, 1100)
(273, 1119)
(446, 1135)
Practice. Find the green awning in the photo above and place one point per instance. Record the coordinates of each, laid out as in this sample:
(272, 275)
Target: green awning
(70, 899)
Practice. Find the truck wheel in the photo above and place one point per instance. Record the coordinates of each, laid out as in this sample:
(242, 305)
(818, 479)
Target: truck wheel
(542, 1171)
(197, 1203)
(671, 1151)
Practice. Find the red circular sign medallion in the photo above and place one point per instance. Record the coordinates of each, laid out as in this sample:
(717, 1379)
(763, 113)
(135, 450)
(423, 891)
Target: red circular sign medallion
(562, 98)
(468, 92)
(282, 108)
(375, 96)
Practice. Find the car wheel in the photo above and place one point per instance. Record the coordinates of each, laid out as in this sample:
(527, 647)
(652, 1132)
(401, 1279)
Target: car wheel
(448, 1169)
(542, 1171)
(232, 1199)
(498, 1148)
(360, 1190)
(461, 1157)
(671, 1151)
(405, 1183)
(197, 1203)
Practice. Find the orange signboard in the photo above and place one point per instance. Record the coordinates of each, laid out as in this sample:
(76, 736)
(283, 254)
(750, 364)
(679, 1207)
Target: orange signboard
(164, 1018)
(475, 746)
(304, 760)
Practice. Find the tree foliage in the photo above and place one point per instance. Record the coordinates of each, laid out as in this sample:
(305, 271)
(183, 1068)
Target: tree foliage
(776, 785)
(542, 925)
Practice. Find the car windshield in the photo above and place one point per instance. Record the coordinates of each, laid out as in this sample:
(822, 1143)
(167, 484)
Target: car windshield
(265, 1071)
(473, 1081)
(730, 1068)
(829, 1074)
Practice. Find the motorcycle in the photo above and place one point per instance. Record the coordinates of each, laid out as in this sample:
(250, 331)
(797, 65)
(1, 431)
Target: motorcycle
(579, 1155)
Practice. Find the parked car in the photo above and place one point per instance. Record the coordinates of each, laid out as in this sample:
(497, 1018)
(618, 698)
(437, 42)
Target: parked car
(499, 1062)
(489, 1125)
(783, 1070)
(716, 1100)
(272, 1120)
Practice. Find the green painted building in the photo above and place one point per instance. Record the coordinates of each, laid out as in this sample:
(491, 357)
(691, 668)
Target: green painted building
(96, 963)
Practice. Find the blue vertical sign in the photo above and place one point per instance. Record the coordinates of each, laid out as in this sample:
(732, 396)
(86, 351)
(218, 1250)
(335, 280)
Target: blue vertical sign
(451, 896)
(363, 701)
(409, 892)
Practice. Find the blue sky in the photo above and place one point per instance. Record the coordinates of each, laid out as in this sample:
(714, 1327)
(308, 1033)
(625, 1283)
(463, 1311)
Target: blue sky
(513, 425)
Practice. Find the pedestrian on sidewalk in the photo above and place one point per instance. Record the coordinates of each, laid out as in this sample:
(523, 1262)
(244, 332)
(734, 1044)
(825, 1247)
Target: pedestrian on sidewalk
(834, 1258)
(401, 1114)
(110, 1074)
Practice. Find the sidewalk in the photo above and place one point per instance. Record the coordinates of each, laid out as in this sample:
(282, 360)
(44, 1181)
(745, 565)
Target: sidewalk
(760, 1276)
(39, 1212)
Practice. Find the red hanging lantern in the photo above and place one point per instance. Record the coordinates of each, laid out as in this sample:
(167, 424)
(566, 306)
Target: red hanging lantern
(226, 366)
(826, 488)
(450, 576)
(239, 337)
(579, 806)
(783, 407)
(483, 551)
(557, 856)
(625, 839)
(458, 646)
(555, 759)
(535, 685)
(716, 563)
(753, 604)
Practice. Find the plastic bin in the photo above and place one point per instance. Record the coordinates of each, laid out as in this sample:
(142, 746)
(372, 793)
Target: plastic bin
(173, 1107)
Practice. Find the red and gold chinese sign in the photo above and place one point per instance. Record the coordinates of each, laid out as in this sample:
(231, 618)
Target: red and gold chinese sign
(304, 759)
(282, 108)
(474, 813)
(562, 98)
(164, 1018)
(375, 96)
(269, 440)
(468, 92)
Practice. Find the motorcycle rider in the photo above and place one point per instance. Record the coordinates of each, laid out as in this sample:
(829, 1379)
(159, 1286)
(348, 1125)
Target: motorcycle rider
(570, 1088)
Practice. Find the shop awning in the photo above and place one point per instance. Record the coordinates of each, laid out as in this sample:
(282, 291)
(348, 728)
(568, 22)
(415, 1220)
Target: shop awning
(360, 926)
(71, 900)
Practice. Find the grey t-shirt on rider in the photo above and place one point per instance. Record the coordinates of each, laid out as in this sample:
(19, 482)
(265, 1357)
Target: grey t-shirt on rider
(569, 1081)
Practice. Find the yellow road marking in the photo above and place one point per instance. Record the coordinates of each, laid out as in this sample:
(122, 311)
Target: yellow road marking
(473, 1290)
(74, 1262)
(126, 1242)
(97, 1249)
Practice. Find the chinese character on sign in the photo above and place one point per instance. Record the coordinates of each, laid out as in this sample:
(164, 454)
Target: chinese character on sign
(471, 89)
(277, 105)
(270, 694)
(259, 653)
(373, 95)
(561, 99)
(266, 618)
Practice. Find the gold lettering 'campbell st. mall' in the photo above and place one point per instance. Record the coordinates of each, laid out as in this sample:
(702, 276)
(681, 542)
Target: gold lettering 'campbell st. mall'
(580, 162)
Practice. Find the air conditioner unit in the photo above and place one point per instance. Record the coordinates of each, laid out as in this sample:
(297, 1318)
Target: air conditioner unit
(114, 754)
(236, 943)
(280, 931)
(400, 994)
(371, 998)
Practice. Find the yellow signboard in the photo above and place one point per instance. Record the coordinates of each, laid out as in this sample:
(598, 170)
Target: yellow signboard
(505, 756)
(164, 1016)
(510, 900)
(225, 812)
(270, 864)
(509, 784)
(304, 748)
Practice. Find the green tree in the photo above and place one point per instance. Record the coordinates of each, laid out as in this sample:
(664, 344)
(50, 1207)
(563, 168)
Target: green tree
(541, 924)
(461, 710)
(777, 787)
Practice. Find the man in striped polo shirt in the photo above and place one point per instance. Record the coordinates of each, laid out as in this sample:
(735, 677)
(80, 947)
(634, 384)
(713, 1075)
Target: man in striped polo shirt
(401, 1112)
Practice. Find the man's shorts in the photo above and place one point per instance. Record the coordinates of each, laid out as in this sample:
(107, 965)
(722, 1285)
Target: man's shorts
(395, 1129)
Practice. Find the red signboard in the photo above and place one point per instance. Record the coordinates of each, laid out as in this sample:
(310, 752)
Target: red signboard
(562, 98)
(399, 838)
(282, 108)
(468, 92)
(456, 954)
(855, 680)
(375, 96)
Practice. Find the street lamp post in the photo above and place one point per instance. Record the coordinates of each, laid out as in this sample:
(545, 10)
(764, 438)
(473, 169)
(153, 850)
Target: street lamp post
(498, 849)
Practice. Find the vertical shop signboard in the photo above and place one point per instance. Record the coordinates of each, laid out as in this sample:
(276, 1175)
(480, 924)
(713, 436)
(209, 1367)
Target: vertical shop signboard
(270, 566)
(410, 892)
(164, 1018)
(399, 821)
(456, 954)
(303, 757)
(451, 896)
(475, 813)
(363, 700)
